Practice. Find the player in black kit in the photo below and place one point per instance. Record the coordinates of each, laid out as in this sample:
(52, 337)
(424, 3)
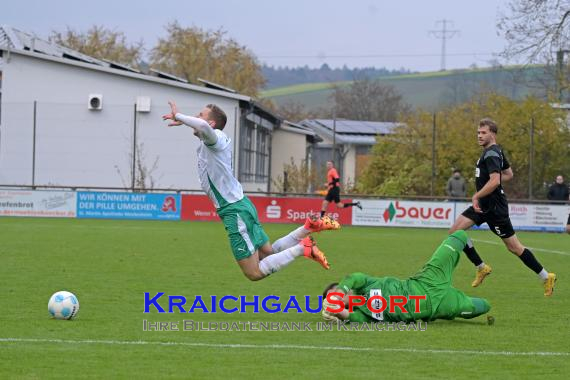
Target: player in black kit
(489, 205)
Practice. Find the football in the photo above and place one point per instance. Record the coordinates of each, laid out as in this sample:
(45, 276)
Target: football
(63, 305)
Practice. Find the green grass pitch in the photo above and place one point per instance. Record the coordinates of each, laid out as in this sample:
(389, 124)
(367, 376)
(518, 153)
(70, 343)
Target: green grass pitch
(110, 264)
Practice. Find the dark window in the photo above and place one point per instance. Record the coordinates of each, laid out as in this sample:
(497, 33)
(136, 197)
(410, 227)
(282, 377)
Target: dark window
(254, 153)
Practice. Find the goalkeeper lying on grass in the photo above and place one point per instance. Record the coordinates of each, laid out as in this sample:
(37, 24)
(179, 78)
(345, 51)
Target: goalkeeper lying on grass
(441, 301)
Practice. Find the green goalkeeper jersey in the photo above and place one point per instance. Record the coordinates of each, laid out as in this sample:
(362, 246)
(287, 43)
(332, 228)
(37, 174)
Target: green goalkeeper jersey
(368, 286)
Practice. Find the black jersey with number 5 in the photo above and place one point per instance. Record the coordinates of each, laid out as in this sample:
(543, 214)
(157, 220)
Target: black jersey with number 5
(492, 160)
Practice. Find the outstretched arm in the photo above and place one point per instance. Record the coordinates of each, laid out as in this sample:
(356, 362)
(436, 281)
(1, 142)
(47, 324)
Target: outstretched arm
(202, 129)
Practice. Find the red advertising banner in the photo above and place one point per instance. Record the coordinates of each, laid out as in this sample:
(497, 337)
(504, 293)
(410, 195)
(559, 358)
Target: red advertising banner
(269, 209)
(296, 210)
(197, 207)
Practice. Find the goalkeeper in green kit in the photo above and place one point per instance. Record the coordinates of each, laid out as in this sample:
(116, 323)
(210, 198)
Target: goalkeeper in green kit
(429, 293)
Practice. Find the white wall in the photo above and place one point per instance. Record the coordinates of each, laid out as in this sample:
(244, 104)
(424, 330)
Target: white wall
(79, 147)
(286, 144)
(349, 166)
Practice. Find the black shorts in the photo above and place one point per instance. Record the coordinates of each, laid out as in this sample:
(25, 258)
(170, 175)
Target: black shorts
(568, 222)
(333, 195)
(500, 224)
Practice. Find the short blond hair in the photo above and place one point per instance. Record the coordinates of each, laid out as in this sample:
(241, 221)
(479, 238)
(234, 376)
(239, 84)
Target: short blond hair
(218, 116)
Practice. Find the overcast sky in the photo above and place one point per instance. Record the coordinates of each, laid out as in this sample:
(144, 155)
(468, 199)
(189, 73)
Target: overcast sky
(358, 33)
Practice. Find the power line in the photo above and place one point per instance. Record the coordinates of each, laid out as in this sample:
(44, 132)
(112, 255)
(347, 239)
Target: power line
(377, 55)
(443, 34)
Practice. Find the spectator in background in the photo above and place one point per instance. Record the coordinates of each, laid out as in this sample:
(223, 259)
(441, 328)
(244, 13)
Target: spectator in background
(558, 191)
(456, 186)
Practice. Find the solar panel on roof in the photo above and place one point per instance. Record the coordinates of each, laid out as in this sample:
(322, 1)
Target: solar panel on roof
(116, 65)
(358, 127)
(164, 75)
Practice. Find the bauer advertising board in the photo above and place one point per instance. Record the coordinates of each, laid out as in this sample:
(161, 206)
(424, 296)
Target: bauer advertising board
(395, 213)
(51, 204)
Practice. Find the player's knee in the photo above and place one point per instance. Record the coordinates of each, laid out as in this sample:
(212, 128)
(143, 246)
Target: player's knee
(515, 249)
(460, 234)
(452, 230)
(568, 228)
(458, 239)
(254, 276)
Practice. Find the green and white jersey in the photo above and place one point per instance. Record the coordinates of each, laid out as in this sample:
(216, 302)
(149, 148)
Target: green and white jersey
(216, 173)
(214, 162)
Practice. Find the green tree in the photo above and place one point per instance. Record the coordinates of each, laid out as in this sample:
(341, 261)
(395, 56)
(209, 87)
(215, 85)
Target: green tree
(101, 43)
(401, 162)
(193, 53)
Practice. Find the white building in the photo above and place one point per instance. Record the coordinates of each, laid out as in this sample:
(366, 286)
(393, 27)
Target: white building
(67, 119)
(352, 141)
(291, 143)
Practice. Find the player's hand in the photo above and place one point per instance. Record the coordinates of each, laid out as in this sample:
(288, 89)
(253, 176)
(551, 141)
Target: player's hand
(330, 317)
(172, 114)
(327, 315)
(475, 202)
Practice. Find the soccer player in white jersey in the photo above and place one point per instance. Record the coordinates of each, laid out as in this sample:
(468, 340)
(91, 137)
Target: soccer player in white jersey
(255, 255)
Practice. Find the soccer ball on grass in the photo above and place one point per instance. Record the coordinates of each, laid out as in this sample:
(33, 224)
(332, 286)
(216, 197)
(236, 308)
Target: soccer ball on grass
(63, 305)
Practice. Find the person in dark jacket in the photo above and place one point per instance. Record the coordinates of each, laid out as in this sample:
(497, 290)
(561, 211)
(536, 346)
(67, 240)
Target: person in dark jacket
(558, 191)
(456, 187)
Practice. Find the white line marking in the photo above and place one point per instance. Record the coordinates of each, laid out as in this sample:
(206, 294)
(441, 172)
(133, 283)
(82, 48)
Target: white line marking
(531, 248)
(284, 346)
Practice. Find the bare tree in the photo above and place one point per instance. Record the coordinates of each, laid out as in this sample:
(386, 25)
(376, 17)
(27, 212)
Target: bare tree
(367, 99)
(535, 29)
(145, 177)
(296, 111)
(539, 31)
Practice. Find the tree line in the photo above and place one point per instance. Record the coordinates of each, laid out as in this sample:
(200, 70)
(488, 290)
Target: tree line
(535, 137)
(286, 76)
(400, 163)
(186, 52)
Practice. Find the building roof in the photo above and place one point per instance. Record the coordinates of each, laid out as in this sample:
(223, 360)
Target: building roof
(350, 131)
(297, 128)
(301, 130)
(15, 41)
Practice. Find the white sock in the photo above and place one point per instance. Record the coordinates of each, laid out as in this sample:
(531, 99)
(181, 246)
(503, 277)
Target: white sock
(481, 266)
(279, 260)
(543, 274)
(290, 240)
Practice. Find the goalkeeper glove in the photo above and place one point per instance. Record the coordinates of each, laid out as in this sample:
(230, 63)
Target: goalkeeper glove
(327, 315)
